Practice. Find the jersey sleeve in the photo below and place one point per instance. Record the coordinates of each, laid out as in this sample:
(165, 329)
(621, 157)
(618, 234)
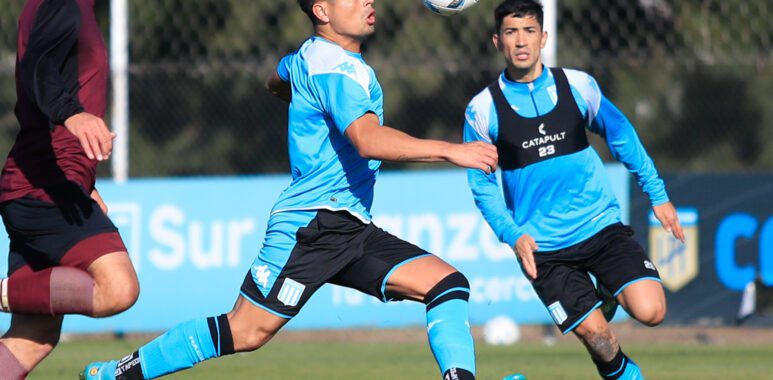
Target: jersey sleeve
(344, 98)
(283, 68)
(485, 188)
(54, 35)
(626, 147)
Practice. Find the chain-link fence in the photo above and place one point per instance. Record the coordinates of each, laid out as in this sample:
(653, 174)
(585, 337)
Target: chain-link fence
(695, 76)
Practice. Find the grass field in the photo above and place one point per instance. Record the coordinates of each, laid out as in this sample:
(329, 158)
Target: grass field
(344, 360)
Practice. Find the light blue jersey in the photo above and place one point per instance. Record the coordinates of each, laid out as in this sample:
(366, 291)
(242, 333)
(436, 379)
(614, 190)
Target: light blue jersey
(331, 88)
(563, 200)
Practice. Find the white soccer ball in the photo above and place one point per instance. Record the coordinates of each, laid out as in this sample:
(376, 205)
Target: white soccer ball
(501, 331)
(449, 7)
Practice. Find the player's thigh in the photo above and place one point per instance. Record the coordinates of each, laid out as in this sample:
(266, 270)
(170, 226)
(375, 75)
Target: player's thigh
(251, 325)
(115, 280)
(567, 292)
(645, 301)
(416, 278)
(73, 232)
(390, 268)
(301, 252)
(622, 264)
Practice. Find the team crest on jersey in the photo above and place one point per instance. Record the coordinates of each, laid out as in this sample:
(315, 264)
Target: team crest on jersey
(291, 292)
(557, 312)
(677, 262)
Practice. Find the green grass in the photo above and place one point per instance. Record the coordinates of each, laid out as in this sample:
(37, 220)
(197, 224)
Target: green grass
(341, 361)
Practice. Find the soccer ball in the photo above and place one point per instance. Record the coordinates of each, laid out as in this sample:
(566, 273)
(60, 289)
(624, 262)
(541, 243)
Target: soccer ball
(501, 331)
(449, 7)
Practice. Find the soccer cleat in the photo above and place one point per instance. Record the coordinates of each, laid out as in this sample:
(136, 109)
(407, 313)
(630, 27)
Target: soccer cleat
(632, 372)
(608, 302)
(99, 371)
(516, 376)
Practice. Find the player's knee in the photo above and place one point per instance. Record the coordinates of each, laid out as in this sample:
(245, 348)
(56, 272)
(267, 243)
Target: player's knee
(116, 297)
(652, 314)
(592, 330)
(453, 286)
(251, 339)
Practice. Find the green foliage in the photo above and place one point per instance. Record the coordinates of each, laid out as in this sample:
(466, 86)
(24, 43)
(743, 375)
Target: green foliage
(694, 76)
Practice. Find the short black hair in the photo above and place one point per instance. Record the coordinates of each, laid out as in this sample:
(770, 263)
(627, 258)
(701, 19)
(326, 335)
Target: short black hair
(306, 7)
(518, 8)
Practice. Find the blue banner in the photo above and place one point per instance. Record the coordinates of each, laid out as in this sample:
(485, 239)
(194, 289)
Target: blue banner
(193, 240)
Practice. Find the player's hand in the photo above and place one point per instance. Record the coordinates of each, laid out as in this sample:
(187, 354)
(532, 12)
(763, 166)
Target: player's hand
(524, 249)
(95, 138)
(98, 198)
(474, 155)
(666, 214)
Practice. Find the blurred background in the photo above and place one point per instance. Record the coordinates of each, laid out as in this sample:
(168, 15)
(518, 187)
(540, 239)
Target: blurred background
(207, 152)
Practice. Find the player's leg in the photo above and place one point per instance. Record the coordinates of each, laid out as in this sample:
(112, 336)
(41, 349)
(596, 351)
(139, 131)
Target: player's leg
(27, 342)
(269, 298)
(645, 301)
(446, 293)
(392, 269)
(116, 287)
(611, 362)
(624, 269)
(75, 262)
(245, 328)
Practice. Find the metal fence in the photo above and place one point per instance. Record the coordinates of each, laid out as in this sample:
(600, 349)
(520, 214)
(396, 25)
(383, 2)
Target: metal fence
(695, 76)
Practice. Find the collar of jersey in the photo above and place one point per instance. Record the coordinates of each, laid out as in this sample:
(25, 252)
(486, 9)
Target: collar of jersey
(350, 53)
(544, 79)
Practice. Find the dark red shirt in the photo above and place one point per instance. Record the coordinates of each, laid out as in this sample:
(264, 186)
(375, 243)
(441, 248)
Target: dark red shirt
(61, 70)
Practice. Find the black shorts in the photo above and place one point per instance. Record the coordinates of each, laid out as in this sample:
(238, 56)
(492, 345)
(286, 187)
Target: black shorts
(563, 282)
(74, 232)
(304, 250)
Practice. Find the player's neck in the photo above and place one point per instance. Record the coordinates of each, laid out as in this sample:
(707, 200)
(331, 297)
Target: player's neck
(525, 75)
(347, 43)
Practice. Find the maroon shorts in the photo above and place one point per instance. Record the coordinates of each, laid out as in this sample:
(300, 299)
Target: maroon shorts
(73, 232)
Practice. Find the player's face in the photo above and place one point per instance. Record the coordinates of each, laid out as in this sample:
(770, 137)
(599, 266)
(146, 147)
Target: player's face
(520, 40)
(352, 18)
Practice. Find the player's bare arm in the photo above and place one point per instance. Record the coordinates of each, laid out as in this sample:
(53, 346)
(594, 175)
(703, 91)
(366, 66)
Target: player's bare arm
(92, 132)
(98, 198)
(373, 140)
(278, 87)
(666, 214)
(524, 249)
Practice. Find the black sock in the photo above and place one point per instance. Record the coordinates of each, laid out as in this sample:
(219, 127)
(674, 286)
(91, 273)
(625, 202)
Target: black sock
(129, 368)
(458, 374)
(613, 368)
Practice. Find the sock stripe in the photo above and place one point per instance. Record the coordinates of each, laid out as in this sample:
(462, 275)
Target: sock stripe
(454, 294)
(226, 339)
(214, 332)
(4, 294)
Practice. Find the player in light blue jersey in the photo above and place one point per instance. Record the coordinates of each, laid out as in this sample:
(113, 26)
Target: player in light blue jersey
(320, 228)
(555, 206)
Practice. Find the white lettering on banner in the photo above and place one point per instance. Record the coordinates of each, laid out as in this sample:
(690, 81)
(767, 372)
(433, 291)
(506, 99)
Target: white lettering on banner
(238, 229)
(160, 232)
(347, 297)
(459, 247)
(199, 257)
(501, 289)
(211, 244)
(432, 226)
(455, 237)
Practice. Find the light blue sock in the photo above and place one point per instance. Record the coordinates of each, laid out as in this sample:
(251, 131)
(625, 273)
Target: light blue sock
(182, 347)
(448, 329)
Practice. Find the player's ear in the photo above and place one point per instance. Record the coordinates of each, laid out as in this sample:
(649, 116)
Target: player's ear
(495, 40)
(320, 11)
(544, 39)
